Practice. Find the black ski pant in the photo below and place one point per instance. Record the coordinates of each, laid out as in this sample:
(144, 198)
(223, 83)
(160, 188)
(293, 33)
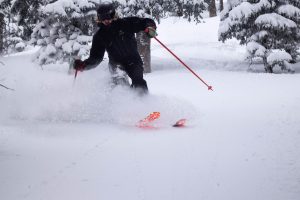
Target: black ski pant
(134, 69)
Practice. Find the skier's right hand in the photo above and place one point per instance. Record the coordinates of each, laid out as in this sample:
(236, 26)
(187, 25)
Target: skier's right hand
(79, 65)
(151, 31)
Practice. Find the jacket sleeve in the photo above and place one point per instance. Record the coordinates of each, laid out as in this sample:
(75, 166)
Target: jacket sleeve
(136, 24)
(96, 53)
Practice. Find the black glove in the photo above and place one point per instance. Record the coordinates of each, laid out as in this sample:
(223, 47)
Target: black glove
(79, 65)
(151, 31)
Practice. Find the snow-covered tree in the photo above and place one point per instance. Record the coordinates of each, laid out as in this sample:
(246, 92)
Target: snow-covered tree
(2, 24)
(189, 9)
(4, 6)
(269, 28)
(19, 18)
(194, 9)
(66, 30)
(28, 15)
(140, 8)
(14, 40)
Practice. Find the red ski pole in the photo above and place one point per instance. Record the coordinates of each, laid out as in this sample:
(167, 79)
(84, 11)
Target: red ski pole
(75, 76)
(208, 86)
(71, 67)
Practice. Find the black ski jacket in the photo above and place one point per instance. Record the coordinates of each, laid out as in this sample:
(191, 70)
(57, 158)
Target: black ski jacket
(118, 39)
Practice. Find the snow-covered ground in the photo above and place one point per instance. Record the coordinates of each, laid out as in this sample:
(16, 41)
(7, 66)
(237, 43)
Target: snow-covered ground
(62, 140)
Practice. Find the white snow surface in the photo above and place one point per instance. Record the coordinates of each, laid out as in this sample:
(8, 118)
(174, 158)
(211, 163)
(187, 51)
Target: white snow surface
(63, 139)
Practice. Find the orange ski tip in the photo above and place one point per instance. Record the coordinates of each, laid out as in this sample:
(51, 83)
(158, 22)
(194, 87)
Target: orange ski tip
(150, 118)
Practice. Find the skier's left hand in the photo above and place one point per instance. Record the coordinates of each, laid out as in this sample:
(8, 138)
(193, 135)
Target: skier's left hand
(151, 31)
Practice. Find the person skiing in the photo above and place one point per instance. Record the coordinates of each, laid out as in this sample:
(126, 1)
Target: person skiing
(116, 36)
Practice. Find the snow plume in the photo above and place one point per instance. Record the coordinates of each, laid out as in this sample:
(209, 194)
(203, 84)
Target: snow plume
(90, 99)
(124, 106)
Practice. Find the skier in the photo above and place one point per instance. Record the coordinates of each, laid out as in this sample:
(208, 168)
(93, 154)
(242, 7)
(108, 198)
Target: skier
(116, 36)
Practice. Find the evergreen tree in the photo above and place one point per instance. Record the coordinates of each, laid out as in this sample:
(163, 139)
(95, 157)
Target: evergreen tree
(4, 10)
(190, 9)
(66, 30)
(2, 24)
(14, 40)
(161, 8)
(269, 28)
(20, 16)
(28, 14)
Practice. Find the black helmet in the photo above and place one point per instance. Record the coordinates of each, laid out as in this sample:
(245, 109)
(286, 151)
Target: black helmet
(106, 11)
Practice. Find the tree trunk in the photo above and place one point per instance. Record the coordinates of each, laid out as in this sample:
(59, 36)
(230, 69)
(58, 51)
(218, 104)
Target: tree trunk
(221, 5)
(2, 26)
(144, 43)
(268, 68)
(212, 8)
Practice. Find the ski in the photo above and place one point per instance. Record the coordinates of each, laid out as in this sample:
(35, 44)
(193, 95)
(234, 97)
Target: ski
(146, 122)
(180, 123)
